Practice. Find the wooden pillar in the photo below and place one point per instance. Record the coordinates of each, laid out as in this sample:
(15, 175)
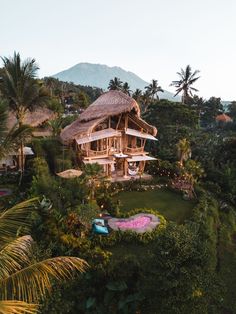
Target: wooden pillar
(109, 170)
(87, 149)
(133, 141)
(126, 121)
(125, 167)
(142, 166)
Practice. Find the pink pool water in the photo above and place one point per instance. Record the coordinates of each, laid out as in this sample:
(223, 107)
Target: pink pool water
(136, 223)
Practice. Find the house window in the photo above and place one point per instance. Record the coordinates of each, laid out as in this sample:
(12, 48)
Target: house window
(93, 145)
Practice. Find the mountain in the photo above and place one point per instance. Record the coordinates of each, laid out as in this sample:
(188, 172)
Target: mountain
(99, 75)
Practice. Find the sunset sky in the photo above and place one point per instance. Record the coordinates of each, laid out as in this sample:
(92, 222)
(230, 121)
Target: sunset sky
(151, 38)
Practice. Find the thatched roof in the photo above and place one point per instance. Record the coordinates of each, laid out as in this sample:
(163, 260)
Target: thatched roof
(109, 104)
(33, 119)
(70, 173)
(224, 118)
(77, 128)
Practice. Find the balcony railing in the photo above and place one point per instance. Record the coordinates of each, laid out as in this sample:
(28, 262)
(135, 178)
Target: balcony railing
(135, 150)
(95, 153)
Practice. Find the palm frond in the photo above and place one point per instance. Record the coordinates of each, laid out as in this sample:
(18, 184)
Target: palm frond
(33, 282)
(194, 89)
(10, 142)
(194, 74)
(3, 117)
(14, 218)
(175, 83)
(178, 91)
(193, 80)
(17, 307)
(15, 255)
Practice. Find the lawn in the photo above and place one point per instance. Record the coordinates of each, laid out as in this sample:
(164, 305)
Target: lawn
(169, 203)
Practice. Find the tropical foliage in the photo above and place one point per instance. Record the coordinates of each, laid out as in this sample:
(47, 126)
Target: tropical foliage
(187, 264)
(20, 87)
(115, 84)
(153, 89)
(184, 84)
(23, 280)
(10, 139)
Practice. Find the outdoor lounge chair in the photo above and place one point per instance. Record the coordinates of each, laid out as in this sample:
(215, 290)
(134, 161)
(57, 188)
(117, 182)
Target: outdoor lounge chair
(99, 226)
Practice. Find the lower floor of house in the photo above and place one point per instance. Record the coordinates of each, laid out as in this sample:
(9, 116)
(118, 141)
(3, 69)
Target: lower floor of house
(121, 167)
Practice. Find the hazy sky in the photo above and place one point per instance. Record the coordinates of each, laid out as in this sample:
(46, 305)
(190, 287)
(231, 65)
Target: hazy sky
(151, 38)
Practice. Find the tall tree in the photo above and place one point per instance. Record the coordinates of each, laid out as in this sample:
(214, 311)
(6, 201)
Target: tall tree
(10, 139)
(137, 94)
(184, 84)
(19, 86)
(146, 100)
(126, 88)
(153, 89)
(93, 177)
(232, 110)
(183, 150)
(115, 84)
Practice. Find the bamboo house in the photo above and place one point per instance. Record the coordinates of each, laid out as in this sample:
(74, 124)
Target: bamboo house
(110, 132)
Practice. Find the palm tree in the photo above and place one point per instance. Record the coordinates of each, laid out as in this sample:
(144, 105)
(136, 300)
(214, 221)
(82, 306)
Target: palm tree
(115, 84)
(56, 126)
(187, 78)
(20, 88)
(50, 84)
(10, 139)
(137, 95)
(153, 88)
(146, 100)
(93, 177)
(183, 150)
(192, 171)
(126, 89)
(23, 281)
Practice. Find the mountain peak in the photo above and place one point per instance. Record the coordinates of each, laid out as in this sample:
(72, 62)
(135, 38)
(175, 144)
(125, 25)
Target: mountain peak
(99, 75)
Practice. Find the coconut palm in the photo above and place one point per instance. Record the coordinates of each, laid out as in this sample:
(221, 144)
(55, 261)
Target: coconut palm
(10, 139)
(50, 83)
(184, 85)
(93, 177)
(183, 150)
(56, 126)
(126, 89)
(23, 281)
(115, 84)
(153, 88)
(146, 100)
(137, 94)
(20, 88)
(192, 171)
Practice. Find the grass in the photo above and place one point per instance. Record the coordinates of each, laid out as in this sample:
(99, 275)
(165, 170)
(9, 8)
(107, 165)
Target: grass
(169, 203)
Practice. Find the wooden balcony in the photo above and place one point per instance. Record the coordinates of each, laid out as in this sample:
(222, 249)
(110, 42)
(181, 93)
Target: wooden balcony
(134, 151)
(94, 153)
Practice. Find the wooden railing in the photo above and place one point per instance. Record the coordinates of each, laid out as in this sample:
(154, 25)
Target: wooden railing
(94, 153)
(135, 150)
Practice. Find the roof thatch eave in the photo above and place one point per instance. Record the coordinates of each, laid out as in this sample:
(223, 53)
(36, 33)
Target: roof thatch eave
(111, 103)
(33, 119)
(77, 129)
